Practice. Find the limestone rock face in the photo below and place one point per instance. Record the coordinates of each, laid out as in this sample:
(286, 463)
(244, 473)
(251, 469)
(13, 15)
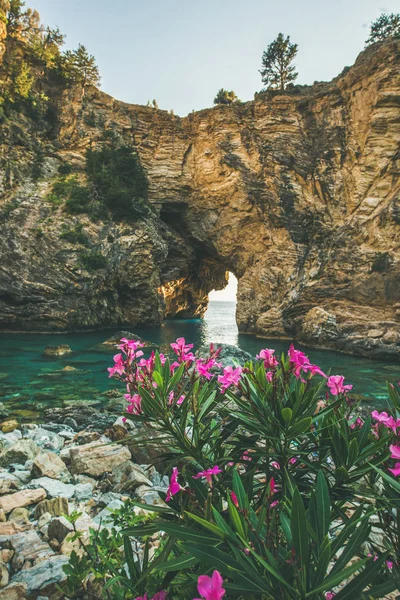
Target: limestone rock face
(296, 194)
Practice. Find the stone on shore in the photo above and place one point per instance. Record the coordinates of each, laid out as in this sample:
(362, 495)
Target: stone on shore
(47, 464)
(53, 487)
(9, 426)
(14, 591)
(19, 453)
(44, 577)
(95, 460)
(56, 507)
(21, 499)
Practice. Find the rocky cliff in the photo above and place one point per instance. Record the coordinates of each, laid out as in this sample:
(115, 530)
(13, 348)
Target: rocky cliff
(296, 194)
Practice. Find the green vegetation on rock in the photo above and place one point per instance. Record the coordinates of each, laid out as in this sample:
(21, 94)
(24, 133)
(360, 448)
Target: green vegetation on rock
(93, 260)
(277, 70)
(225, 97)
(386, 26)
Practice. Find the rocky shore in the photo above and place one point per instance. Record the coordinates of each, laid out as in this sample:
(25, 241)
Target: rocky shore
(51, 471)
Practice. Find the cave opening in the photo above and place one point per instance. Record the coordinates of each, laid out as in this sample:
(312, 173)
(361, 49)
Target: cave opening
(220, 317)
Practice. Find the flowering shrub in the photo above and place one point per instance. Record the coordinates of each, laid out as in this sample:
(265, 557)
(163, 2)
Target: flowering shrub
(278, 489)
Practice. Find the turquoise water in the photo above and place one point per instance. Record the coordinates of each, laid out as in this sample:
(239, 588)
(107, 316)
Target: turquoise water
(29, 383)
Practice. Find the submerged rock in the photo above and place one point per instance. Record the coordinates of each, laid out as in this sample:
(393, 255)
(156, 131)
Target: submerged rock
(60, 350)
(230, 355)
(115, 339)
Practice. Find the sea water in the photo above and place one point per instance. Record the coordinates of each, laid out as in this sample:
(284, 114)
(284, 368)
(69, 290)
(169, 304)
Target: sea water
(30, 382)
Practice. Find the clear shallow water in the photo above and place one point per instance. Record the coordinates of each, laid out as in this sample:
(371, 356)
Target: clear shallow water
(29, 382)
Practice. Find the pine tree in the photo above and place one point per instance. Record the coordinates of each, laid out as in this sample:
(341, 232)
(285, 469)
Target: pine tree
(277, 70)
(386, 26)
(85, 64)
(225, 97)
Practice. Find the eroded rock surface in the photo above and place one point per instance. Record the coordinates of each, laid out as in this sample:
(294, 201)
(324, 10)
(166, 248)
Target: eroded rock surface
(296, 194)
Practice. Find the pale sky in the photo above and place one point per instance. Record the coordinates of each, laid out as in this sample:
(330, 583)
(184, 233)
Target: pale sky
(180, 52)
(228, 294)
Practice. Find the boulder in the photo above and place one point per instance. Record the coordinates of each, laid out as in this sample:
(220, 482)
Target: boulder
(53, 487)
(4, 575)
(21, 499)
(83, 491)
(229, 354)
(95, 460)
(14, 591)
(59, 528)
(56, 507)
(128, 476)
(19, 515)
(46, 439)
(60, 350)
(114, 340)
(28, 548)
(10, 528)
(48, 464)
(7, 486)
(19, 453)
(8, 439)
(9, 426)
(44, 577)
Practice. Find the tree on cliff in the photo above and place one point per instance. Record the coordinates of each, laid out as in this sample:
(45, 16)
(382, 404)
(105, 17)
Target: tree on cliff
(79, 65)
(225, 97)
(277, 70)
(386, 26)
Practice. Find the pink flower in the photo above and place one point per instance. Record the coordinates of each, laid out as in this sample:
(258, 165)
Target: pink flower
(234, 499)
(392, 424)
(396, 470)
(230, 377)
(204, 366)
(119, 366)
(395, 450)
(174, 486)
(389, 565)
(135, 404)
(273, 504)
(246, 456)
(268, 357)
(357, 423)
(300, 362)
(275, 464)
(171, 399)
(335, 385)
(181, 349)
(210, 588)
(293, 461)
(329, 595)
(380, 417)
(272, 486)
(208, 473)
(269, 375)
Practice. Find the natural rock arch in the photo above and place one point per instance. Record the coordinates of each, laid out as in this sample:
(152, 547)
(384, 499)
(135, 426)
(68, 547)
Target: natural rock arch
(296, 194)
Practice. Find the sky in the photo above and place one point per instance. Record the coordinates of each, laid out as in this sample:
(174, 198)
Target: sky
(228, 294)
(181, 52)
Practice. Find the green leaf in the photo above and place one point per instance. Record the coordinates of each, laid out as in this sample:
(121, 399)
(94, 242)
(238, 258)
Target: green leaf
(158, 379)
(298, 527)
(207, 525)
(300, 427)
(323, 506)
(287, 415)
(180, 563)
(352, 547)
(359, 583)
(331, 581)
(239, 490)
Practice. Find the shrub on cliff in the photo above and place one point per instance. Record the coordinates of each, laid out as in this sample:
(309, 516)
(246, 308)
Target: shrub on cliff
(385, 27)
(93, 260)
(225, 97)
(119, 179)
(275, 481)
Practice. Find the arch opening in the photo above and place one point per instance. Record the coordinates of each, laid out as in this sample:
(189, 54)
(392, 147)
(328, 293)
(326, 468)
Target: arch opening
(220, 316)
